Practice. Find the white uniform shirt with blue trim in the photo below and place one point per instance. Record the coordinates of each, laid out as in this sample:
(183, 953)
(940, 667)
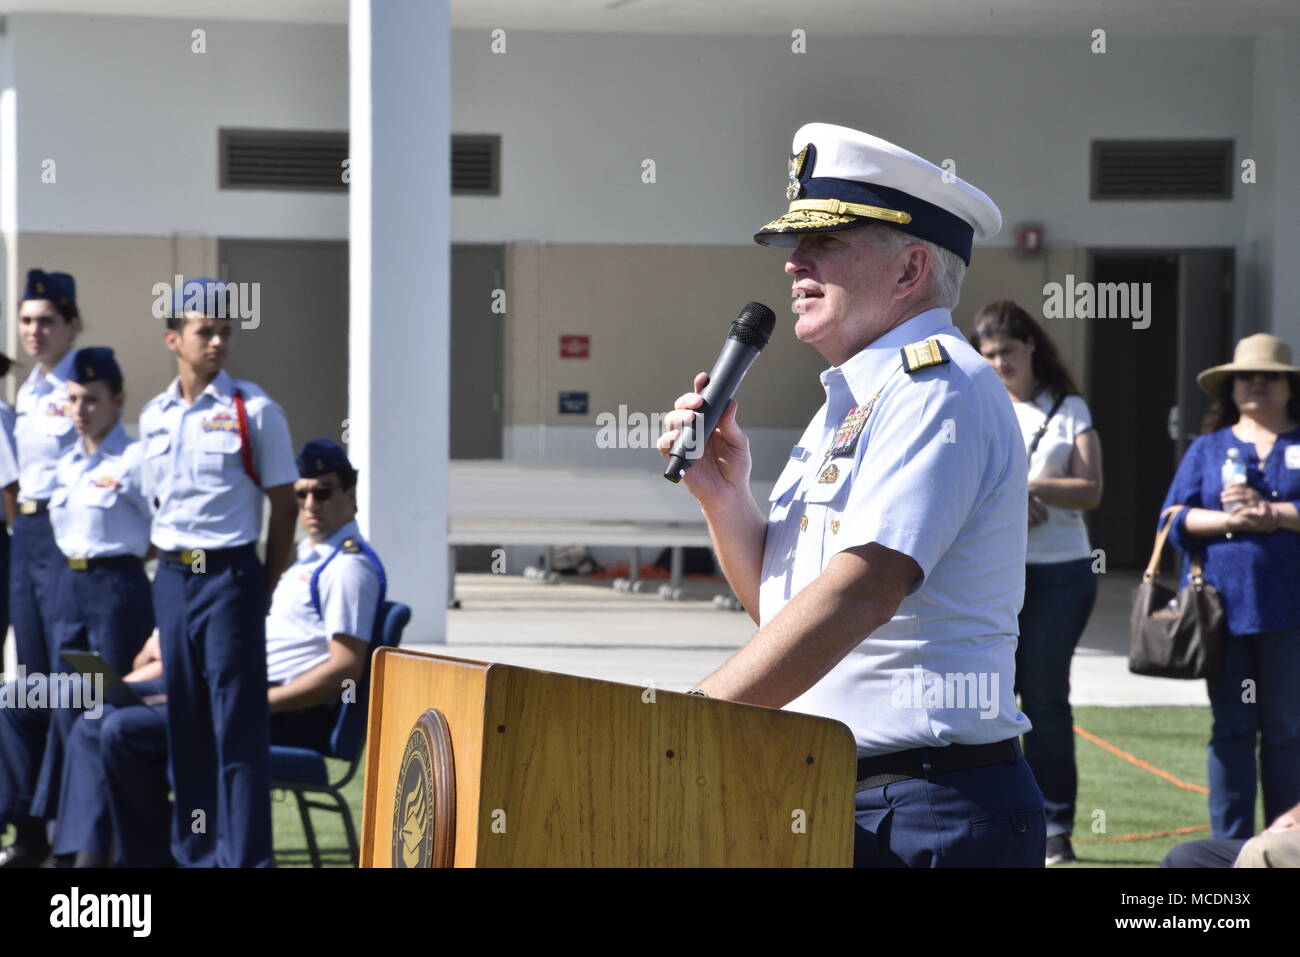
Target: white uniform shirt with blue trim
(194, 469)
(99, 508)
(297, 638)
(43, 429)
(938, 474)
(8, 451)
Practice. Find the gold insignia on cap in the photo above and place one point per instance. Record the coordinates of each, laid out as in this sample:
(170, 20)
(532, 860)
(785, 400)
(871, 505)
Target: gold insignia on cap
(319, 464)
(795, 165)
(922, 355)
(88, 372)
(829, 474)
(39, 286)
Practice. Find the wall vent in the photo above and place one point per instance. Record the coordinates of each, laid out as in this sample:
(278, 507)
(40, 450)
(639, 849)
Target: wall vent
(1162, 169)
(283, 160)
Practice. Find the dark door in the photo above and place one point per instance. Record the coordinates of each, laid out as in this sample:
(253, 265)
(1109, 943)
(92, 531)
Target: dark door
(1133, 383)
(477, 349)
(298, 351)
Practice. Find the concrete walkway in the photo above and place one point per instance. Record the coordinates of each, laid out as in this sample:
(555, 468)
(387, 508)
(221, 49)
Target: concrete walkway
(587, 628)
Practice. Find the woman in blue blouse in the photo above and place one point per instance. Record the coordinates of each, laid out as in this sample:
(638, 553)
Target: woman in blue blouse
(1249, 533)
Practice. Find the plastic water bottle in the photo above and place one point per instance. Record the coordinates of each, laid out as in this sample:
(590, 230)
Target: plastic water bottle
(1234, 469)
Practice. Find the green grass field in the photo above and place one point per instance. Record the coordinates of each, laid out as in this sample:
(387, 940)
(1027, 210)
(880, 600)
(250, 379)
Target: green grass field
(1134, 801)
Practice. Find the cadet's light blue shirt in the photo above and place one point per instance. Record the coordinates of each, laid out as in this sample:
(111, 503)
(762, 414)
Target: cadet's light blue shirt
(297, 638)
(938, 474)
(194, 470)
(43, 429)
(8, 453)
(99, 508)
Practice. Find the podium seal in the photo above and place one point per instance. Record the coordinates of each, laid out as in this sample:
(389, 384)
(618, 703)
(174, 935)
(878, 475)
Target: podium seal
(424, 808)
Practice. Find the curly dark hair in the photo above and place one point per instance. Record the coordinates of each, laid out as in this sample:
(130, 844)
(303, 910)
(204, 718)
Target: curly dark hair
(1005, 318)
(1223, 412)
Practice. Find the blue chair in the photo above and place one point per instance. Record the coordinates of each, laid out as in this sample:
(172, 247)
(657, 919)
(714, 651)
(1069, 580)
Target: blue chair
(303, 771)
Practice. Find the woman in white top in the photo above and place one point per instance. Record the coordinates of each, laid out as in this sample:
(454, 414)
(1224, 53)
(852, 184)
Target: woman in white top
(1064, 458)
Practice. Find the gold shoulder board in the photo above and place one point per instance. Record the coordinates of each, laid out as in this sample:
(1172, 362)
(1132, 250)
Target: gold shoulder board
(922, 355)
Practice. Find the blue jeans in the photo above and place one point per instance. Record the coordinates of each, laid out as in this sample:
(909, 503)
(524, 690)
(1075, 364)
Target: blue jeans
(1058, 600)
(1269, 713)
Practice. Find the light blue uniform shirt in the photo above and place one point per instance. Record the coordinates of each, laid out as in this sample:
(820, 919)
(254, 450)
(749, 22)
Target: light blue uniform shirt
(297, 638)
(99, 508)
(8, 452)
(938, 474)
(194, 470)
(43, 429)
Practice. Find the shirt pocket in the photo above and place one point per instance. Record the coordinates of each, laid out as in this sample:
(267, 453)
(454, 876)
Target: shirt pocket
(824, 501)
(219, 462)
(787, 482)
(156, 459)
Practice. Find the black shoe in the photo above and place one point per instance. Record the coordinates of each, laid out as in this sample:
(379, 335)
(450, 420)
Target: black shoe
(24, 855)
(1059, 850)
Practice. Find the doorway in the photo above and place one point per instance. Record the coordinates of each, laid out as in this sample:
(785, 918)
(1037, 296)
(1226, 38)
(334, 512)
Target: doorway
(1142, 388)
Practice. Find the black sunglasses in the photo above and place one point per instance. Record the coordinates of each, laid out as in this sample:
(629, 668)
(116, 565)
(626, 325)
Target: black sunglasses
(321, 494)
(1267, 376)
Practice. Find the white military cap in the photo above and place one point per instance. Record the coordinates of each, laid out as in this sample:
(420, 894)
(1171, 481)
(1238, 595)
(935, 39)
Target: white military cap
(842, 179)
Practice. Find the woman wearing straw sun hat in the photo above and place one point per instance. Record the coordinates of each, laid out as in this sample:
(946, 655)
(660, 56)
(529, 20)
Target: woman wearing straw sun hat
(1240, 483)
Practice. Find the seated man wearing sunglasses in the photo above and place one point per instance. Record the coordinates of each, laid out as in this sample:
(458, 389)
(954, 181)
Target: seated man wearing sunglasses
(318, 632)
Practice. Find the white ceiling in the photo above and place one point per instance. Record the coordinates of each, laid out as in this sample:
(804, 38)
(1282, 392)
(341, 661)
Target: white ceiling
(820, 18)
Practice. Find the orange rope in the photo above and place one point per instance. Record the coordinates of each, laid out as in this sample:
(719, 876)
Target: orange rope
(1141, 764)
(1142, 837)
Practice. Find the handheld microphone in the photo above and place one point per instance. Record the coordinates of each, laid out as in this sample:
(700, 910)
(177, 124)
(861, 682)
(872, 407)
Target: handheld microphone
(749, 333)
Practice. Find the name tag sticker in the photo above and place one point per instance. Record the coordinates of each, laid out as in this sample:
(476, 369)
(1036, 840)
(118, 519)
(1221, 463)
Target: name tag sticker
(1293, 456)
(800, 454)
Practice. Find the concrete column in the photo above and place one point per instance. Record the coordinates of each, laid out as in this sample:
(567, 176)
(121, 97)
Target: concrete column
(399, 229)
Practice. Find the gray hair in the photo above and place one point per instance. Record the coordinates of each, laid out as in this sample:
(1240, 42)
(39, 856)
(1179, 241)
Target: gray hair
(947, 270)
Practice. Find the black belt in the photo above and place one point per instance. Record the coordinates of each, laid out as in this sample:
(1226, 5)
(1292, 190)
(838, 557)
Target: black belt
(104, 561)
(188, 556)
(882, 769)
(34, 506)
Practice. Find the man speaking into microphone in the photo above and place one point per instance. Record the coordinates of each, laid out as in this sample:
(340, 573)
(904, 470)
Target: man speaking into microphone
(887, 571)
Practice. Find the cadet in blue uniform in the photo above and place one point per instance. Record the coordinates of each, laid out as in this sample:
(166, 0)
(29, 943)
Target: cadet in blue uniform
(9, 486)
(886, 571)
(318, 635)
(48, 322)
(101, 524)
(214, 446)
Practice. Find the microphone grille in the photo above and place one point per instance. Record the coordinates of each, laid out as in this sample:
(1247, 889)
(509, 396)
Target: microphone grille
(754, 325)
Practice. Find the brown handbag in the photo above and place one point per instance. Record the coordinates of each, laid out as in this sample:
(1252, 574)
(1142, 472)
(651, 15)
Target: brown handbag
(1175, 634)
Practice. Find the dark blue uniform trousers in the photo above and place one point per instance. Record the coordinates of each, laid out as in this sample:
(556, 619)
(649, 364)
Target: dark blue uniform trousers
(36, 565)
(85, 822)
(990, 816)
(4, 584)
(105, 609)
(23, 732)
(213, 634)
(116, 777)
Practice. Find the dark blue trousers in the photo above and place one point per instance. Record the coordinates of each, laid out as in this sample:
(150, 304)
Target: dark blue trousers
(36, 565)
(1058, 600)
(1212, 853)
(213, 631)
(4, 583)
(120, 768)
(85, 811)
(23, 731)
(105, 609)
(1270, 719)
(981, 817)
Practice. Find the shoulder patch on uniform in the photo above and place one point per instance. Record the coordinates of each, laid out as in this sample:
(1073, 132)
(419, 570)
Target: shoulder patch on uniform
(922, 355)
(350, 547)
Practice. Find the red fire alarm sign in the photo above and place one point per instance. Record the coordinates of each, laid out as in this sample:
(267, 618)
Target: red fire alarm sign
(575, 347)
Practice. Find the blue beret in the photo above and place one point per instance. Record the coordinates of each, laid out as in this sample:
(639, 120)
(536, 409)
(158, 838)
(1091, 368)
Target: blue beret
(208, 296)
(320, 457)
(94, 364)
(54, 286)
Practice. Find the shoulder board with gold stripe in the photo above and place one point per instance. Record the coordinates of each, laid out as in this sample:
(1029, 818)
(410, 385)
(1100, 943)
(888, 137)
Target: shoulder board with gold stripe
(922, 355)
(350, 547)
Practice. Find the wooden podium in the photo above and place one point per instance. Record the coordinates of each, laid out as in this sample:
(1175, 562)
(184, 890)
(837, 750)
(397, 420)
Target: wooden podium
(471, 764)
